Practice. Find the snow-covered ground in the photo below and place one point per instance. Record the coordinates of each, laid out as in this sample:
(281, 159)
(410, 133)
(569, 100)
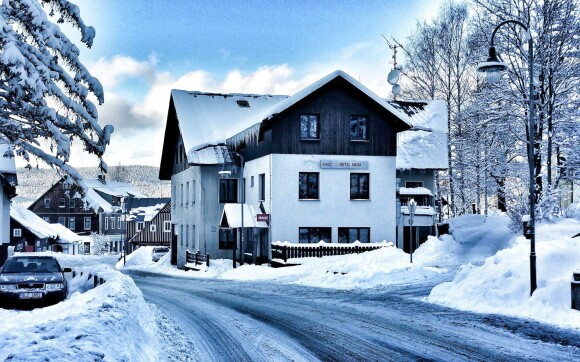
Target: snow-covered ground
(488, 267)
(492, 266)
(502, 284)
(92, 324)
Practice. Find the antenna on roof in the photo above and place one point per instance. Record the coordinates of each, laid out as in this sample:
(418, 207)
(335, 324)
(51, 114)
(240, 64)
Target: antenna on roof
(395, 73)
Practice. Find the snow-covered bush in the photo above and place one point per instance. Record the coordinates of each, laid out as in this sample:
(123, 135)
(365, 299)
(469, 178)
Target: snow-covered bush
(100, 244)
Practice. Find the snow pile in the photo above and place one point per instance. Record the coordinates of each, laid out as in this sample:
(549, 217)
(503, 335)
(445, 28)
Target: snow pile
(140, 257)
(88, 326)
(502, 284)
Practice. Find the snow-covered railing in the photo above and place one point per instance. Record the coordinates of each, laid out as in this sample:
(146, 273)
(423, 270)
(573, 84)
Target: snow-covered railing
(286, 250)
(95, 278)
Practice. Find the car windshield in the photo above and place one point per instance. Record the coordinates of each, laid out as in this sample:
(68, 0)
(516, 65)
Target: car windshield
(161, 250)
(31, 265)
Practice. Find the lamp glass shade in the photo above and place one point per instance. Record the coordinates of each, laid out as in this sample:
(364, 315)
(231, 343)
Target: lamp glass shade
(493, 67)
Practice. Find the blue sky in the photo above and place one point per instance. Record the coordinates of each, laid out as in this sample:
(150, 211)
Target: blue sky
(143, 49)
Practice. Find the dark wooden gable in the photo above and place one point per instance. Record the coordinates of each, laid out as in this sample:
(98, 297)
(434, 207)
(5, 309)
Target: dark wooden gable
(173, 156)
(335, 103)
(159, 237)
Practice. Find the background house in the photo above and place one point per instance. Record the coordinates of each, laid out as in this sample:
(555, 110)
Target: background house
(99, 212)
(149, 222)
(319, 165)
(421, 153)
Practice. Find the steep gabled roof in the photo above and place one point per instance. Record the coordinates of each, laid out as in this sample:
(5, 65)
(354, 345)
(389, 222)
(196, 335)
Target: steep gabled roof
(425, 145)
(144, 209)
(213, 117)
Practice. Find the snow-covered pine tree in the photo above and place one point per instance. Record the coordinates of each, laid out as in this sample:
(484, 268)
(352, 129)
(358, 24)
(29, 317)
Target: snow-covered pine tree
(44, 88)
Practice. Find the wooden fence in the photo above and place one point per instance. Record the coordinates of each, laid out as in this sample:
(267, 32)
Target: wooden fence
(286, 252)
(196, 259)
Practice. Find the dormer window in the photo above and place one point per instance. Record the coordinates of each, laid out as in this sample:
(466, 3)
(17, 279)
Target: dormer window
(243, 103)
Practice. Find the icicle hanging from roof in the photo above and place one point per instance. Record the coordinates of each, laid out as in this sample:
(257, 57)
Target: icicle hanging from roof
(248, 136)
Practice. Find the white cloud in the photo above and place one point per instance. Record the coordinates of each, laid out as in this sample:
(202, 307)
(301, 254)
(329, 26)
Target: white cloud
(142, 122)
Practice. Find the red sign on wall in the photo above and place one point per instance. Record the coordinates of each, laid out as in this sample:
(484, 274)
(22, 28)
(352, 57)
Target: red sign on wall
(263, 217)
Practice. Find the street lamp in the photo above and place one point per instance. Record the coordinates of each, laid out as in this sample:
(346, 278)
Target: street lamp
(241, 206)
(412, 208)
(492, 69)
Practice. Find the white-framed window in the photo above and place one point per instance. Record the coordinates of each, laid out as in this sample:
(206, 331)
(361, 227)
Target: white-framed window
(113, 226)
(359, 128)
(187, 236)
(106, 223)
(87, 223)
(119, 222)
(71, 203)
(152, 228)
(186, 193)
(181, 234)
(140, 225)
(71, 223)
(46, 202)
(251, 181)
(61, 202)
(193, 191)
(62, 220)
(310, 127)
(167, 226)
(17, 233)
(46, 218)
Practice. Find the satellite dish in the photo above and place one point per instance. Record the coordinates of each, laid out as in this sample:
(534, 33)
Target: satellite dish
(396, 89)
(393, 76)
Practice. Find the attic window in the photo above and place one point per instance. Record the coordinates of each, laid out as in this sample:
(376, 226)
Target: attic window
(242, 103)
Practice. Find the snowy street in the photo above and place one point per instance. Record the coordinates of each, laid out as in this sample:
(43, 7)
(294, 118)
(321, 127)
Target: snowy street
(235, 321)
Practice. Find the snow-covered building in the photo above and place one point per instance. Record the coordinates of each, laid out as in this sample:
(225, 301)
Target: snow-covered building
(29, 233)
(318, 165)
(99, 212)
(421, 153)
(149, 222)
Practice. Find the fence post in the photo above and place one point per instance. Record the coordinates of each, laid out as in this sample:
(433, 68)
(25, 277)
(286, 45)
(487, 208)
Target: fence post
(284, 253)
(356, 249)
(95, 281)
(186, 256)
(320, 251)
(207, 260)
(101, 281)
(74, 274)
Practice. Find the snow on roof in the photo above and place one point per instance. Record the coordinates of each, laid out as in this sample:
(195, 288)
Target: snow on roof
(65, 235)
(233, 214)
(7, 164)
(414, 191)
(145, 213)
(419, 211)
(209, 155)
(32, 222)
(424, 146)
(214, 116)
(113, 188)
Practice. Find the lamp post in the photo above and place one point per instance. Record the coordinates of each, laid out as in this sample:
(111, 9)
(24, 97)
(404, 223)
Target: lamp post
(492, 68)
(243, 187)
(412, 208)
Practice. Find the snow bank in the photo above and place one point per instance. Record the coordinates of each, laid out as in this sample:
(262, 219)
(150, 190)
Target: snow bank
(140, 257)
(384, 266)
(88, 326)
(502, 284)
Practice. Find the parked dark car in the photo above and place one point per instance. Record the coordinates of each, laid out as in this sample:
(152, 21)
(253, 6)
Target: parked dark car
(32, 280)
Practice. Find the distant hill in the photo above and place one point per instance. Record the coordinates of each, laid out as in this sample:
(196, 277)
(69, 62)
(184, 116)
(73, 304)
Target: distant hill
(34, 182)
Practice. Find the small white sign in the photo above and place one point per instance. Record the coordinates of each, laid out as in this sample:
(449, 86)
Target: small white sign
(357, 165)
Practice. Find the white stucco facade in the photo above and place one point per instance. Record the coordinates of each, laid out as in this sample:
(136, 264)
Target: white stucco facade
(334, 207)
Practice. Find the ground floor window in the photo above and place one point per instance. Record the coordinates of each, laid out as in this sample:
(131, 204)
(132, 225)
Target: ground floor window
(350, 235)
(17, 233)
(62, 220)
(227, 238)
(359, 186)
(71, 223)
(314, 235)
(87, 223)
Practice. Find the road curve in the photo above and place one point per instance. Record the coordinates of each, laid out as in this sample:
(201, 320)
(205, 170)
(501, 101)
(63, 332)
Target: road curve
(243, 321)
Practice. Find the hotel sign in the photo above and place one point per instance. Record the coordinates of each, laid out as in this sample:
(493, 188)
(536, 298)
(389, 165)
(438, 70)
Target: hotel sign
(357, 165)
